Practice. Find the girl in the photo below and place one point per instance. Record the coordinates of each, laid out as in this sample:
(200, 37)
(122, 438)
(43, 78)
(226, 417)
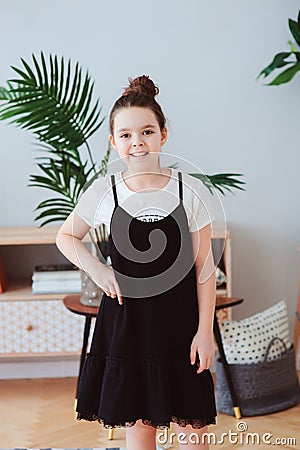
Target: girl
(153, 341)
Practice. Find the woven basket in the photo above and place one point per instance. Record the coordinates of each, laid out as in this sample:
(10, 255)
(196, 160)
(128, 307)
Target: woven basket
(261, 388)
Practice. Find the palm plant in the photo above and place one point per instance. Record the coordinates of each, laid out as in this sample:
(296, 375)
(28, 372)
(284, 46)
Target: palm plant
(291, 58)
(53, 100)
(55, 103)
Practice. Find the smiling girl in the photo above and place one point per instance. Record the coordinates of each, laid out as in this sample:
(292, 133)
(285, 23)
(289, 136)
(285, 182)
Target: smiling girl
(152, 347)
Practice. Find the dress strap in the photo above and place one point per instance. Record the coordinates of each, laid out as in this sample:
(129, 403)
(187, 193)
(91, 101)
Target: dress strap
(180, 186)
(113, 182)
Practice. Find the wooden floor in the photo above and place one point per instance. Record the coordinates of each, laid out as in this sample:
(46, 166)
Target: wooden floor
(39, 413)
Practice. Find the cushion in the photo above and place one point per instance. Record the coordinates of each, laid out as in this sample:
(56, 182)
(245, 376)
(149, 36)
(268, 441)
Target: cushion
(245, 341)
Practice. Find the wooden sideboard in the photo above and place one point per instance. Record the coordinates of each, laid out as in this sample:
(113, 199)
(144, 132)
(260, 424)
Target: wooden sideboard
(35, 325)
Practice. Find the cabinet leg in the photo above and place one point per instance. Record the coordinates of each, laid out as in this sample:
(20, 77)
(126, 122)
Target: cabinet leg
(237, 412)
(110, 434)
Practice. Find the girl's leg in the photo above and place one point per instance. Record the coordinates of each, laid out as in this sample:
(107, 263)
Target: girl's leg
(141, 437)
(191, 438)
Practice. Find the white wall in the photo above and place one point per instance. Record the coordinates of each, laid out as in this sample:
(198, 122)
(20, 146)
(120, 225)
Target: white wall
(205, 57)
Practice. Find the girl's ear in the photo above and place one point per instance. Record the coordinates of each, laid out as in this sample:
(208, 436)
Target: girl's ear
(112, 141)
(164, 136)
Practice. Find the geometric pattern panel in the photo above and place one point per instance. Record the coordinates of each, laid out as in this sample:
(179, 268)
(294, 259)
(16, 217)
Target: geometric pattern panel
(39, 326)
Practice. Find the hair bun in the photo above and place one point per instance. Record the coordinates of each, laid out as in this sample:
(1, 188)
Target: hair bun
(141, 85)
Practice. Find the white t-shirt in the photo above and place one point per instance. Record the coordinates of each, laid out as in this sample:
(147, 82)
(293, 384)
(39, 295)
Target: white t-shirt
(96, 204)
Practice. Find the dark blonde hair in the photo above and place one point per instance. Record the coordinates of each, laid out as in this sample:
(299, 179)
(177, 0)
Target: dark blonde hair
(141, 93)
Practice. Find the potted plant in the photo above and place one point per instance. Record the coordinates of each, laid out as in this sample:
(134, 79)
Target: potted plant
(53, 99)
(283, 59)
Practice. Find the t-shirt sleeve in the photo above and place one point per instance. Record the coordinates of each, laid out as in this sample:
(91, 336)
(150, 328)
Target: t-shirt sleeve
(202, 212)
(88, 206)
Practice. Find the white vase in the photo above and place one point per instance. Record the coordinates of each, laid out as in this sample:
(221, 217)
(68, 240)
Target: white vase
(91, 294)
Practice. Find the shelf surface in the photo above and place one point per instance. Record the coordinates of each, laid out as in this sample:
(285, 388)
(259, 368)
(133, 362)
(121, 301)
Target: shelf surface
(10, 357)
(30, 235)
(47, 234)
(21, 290)
(222, 292)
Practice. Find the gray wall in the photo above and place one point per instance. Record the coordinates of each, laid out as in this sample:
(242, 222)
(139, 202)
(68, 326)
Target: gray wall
(205, 57)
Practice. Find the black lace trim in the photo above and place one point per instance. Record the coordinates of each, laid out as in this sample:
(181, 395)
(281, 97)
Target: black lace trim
(195, 423)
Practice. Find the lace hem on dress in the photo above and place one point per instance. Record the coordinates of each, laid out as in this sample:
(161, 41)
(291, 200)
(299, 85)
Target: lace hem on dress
(195, 423)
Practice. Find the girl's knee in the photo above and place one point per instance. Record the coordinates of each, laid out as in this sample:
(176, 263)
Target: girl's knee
(139, 428)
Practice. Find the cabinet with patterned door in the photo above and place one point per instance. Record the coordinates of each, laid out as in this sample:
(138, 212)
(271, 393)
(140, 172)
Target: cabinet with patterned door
(33, 325)
(36, 325)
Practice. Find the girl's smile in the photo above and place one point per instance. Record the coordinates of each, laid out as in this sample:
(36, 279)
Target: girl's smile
(139, 154)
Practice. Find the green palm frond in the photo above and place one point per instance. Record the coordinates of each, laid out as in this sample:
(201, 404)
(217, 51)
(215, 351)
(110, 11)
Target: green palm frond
(7, 93)
(102, 170)
(221, 181)
(74, 156)
(279, 60)
(53, 98)
(290, 59)
(67, 179)
(54, 101)
(104, 162)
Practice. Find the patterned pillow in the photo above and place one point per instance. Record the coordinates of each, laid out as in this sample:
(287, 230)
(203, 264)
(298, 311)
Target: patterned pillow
(245, 341)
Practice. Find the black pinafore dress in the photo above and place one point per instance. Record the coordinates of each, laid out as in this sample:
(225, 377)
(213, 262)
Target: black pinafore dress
(139, 365)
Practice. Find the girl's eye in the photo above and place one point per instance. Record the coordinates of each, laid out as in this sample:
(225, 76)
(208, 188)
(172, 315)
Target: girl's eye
(125, 135)
(148, 132)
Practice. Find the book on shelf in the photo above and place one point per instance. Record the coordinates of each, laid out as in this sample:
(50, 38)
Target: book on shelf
(54, 267)
(56, 287)
(56, 279)
(56, 272)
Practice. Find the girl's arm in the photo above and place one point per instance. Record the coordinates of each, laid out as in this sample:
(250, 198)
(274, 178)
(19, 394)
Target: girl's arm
(69, 242)
(203, 342)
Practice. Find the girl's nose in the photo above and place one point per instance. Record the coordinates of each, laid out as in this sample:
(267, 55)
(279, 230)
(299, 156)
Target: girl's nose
(138, 144)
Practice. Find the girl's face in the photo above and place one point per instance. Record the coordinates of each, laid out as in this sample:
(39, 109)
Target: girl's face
(137, 136)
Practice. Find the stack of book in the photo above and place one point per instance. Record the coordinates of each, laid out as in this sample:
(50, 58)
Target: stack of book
(56, 279)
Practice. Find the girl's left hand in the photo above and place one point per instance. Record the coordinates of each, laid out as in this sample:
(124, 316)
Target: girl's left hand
(203, 344)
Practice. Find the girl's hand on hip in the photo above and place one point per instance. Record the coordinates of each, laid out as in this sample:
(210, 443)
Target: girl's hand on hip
(105, 278)
(203, 344)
